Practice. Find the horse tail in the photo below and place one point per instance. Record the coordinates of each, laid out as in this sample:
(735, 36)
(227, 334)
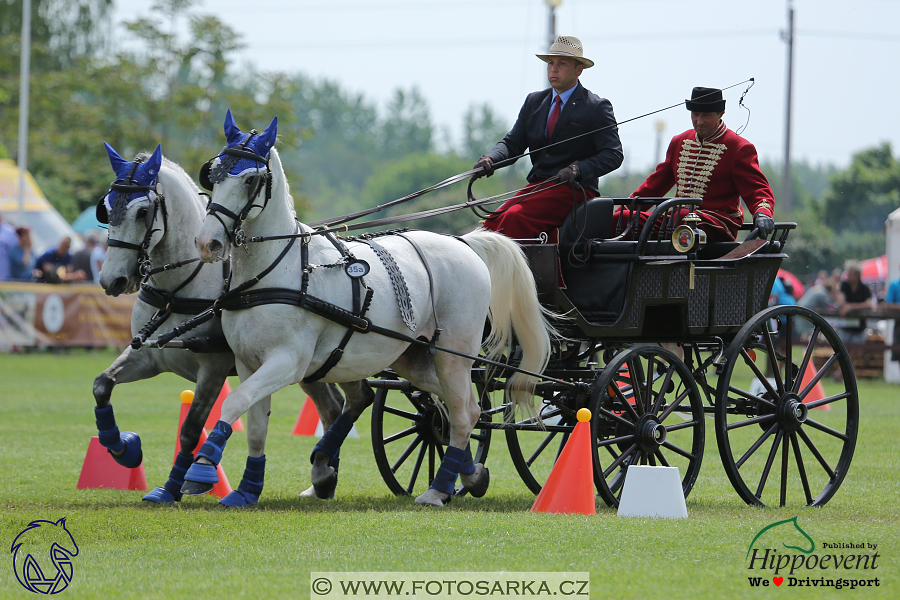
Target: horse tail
(514, 310)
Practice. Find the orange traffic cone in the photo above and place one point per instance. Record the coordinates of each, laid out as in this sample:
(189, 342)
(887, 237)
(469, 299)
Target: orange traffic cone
(216, 413)
(101, 471)
(817, 392)
(307, 420)
(570, 487)
(222, 488)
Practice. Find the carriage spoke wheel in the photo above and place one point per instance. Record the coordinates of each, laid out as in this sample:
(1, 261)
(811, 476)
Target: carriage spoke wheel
(776, 447)
(410, 435)
(647, 410)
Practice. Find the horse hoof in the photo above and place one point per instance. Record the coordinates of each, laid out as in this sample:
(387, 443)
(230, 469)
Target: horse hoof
(311, 493)
(432, 497)
(131, 455)
(196, 488)
(324, 481)
(160, 496)
(239, 499)
(477, 483)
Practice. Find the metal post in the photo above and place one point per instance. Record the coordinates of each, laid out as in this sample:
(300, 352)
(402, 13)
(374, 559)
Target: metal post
(551, 27)
(786, 186)
(660, 127)
(24, 77)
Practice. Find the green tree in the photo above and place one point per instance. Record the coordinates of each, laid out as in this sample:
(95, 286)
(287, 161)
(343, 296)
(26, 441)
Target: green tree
(407, 127)
(862, 196)
(482, 129)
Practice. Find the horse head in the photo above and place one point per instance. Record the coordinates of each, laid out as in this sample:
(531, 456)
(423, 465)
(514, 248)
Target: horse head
(136, 214)
(241, 184)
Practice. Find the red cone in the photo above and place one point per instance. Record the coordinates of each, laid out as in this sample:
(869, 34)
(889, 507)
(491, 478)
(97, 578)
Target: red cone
(101, 471)
(307, 420)
(216, 413)
(222, 488)
(817, 392)
(570, 487)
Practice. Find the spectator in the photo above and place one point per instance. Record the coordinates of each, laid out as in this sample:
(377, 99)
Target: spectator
(83, 259)
(98, 256)
(781, 293)
(8, 240)
(820, 295)
(20, 256)
(853, 295)
(892, 298)
(55, 265)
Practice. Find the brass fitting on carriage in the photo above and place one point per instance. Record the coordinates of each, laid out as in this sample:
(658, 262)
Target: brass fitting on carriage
(688, 237)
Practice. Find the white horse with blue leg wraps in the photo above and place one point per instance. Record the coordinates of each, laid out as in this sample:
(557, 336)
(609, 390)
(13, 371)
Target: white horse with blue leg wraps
(150, 207)
(292, 315)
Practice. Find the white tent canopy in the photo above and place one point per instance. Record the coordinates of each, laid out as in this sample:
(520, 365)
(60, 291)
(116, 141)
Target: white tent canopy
(892, 229)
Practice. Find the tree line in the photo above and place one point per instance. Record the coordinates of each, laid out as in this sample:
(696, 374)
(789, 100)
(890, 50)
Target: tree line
(340, 152)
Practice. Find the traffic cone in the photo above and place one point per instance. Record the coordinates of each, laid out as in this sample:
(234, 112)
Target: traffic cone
(99, 470)
(817, 392)
(570, 487)
(308, 419)
(216, 413)
(222, 488)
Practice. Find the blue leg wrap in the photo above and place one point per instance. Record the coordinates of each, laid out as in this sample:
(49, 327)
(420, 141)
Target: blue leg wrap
(467, 466)
(106, 426)
(214, 445)
(445, 480)
(251, 485)
(171, 490)
(331, 442)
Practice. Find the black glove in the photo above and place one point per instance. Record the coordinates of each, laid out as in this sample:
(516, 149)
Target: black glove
(569, 174)
(486, 164)
(764, 223)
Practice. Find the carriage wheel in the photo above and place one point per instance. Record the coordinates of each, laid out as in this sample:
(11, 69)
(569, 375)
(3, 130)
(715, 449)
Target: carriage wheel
(646, 410)
(409, 436)
(763, 408)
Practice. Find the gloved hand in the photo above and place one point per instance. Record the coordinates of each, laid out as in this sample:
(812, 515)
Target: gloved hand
(764, 223)
(485, 163)
(569, 174)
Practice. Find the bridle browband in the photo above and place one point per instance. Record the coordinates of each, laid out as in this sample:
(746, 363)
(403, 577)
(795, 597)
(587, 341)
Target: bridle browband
(210, 175)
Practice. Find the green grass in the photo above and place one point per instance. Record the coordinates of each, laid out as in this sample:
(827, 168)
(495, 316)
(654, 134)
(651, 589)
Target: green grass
(196, 549)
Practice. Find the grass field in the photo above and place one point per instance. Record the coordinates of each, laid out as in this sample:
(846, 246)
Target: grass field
(196, 549)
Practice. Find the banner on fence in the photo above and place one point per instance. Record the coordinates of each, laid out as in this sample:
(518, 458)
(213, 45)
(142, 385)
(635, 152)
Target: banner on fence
(42, 314)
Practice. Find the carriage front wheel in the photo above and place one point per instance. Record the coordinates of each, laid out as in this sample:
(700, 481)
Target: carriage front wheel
(410, 435)
(787, 409)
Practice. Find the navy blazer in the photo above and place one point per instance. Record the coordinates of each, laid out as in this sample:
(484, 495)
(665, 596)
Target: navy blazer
(597, 154)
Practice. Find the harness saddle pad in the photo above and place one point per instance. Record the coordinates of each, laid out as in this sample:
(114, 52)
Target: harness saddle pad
(398, 282)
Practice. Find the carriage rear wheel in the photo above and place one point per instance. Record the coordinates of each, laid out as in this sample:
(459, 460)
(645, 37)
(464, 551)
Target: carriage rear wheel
(764, 408)
(409, 436)
(646, 410)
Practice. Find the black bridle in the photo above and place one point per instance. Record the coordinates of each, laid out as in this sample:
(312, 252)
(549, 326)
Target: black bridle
(126, 187)
(211, 175)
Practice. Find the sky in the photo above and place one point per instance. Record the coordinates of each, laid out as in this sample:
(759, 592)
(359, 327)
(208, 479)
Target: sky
(648, 55)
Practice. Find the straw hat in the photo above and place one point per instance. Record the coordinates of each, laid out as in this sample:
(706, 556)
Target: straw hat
(567, 45)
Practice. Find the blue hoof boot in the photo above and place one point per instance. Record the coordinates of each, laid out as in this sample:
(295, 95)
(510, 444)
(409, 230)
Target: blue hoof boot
(131, 455)
(199, 479)
(239, 499)
(159, 496)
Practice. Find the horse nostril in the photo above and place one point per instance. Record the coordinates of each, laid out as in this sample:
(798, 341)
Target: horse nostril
(119, 284)
(215, 247)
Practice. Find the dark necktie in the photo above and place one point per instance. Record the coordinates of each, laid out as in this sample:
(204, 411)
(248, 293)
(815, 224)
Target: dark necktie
(554, 117)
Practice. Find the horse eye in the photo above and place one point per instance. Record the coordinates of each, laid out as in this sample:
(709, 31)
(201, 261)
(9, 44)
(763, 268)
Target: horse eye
(141, 214)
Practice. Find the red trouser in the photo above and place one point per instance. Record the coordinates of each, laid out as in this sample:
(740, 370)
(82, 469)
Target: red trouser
(526, 215)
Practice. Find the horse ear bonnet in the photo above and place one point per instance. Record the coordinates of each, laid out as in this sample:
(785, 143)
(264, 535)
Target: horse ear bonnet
(102, 212)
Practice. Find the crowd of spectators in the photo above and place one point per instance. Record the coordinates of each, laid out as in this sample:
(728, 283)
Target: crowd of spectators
(19, 261)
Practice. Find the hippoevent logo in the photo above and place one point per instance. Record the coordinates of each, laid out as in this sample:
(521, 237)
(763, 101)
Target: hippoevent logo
(782, 553)
(42, 556)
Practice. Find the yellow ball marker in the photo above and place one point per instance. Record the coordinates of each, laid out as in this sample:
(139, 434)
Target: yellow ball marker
(583, 415)
(187, 396)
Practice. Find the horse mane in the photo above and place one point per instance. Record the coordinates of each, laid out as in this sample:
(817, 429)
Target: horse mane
(280, 185)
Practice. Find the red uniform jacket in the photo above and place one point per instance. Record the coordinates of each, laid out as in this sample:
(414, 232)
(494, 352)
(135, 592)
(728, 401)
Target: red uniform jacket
(722, 169)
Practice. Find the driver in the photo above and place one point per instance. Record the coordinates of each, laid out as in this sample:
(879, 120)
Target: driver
(713, 163)
(565, 110)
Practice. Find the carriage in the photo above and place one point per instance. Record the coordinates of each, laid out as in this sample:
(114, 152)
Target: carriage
(661, 332)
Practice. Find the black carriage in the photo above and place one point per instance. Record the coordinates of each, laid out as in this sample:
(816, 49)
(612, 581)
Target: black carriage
(661, 331)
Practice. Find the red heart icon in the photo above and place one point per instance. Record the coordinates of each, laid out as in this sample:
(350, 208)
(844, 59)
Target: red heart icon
(778, 580)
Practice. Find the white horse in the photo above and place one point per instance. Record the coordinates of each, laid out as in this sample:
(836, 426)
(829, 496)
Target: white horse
(454, 284)
(153, 211)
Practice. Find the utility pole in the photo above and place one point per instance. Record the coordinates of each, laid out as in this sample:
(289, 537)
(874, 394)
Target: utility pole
(24, 80)
(551, 20)
(788, 36)
(660, 127)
